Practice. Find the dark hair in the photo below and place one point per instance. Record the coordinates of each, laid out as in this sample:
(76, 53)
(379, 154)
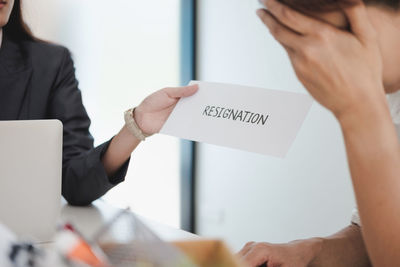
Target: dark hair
(16, 28)
(332, 5)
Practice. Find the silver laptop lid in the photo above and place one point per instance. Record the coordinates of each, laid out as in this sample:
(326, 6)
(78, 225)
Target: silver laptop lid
(30, 177)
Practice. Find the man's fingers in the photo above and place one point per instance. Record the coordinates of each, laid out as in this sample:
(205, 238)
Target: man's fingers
(282, 34)
(245, 249)
(359, 21)
(255, 257)
(184, 91)
(293, 19)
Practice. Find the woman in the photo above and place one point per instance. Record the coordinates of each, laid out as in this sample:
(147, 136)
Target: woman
(346, 53)
(37, 81)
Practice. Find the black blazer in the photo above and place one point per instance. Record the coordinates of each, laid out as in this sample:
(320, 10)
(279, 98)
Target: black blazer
(37, 81)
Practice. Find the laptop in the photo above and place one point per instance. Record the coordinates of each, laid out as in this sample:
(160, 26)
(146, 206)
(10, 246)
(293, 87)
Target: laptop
(30, 177)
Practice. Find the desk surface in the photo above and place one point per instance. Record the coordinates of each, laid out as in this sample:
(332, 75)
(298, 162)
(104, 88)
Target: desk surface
(89, 219)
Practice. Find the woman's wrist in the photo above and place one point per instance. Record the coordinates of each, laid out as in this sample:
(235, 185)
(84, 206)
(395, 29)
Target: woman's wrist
(133, 126)
(138, 117)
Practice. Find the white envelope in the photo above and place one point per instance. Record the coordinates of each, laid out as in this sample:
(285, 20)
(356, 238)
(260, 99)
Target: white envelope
(248, 118)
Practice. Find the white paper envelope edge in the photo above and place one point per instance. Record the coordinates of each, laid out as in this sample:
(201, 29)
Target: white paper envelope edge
(272, 122)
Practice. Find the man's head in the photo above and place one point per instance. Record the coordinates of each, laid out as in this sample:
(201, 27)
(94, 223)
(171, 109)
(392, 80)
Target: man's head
(333, 5)
(385, 18)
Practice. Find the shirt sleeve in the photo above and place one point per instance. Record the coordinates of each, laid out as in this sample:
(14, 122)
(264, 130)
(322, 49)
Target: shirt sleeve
(84, 178)
(355, 218)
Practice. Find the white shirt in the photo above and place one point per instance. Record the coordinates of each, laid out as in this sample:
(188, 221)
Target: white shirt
(7, 239)
(394, 106)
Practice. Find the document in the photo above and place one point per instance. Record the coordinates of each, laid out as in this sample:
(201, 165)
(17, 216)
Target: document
(253, 119)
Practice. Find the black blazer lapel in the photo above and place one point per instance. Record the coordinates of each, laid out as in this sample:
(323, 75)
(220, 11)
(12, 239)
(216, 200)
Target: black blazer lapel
(15, 74)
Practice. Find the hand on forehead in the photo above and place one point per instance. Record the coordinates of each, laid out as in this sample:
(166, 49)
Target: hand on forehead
(335, 18)
(331, 14)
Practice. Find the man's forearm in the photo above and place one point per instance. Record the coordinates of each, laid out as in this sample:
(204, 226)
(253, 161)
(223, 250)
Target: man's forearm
(345, 249)
(374, 159)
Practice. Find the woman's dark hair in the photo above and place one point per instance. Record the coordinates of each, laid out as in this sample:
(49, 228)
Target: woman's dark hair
(16, 28)
(332, 5)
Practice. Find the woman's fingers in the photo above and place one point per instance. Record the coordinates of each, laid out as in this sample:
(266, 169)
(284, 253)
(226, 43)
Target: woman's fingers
(281, 33)
(292, 19)
(359, 21)
(184, 91)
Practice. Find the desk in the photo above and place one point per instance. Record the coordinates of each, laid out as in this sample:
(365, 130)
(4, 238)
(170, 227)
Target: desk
(89, 219)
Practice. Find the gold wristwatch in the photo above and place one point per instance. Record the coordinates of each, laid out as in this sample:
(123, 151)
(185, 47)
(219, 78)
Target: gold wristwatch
(132, 126)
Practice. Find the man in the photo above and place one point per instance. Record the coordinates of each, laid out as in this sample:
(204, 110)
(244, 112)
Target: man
(346, 53)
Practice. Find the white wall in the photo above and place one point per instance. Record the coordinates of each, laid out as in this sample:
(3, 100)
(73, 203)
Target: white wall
(244, 196)
(123, 50)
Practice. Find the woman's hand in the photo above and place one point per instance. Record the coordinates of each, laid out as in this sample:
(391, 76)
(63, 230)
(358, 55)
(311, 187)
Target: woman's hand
(150, 116)
(341, 69)
(294, 254)
(155, 109)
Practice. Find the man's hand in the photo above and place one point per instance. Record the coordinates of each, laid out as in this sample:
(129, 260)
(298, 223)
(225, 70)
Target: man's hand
(345, 249)
(294, 254)
(341, 69)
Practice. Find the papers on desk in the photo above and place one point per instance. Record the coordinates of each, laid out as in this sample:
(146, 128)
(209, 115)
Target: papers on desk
(253, 119)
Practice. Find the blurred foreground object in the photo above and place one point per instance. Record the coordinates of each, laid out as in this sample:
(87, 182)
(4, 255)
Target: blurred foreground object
(128, 242)
(208, 253)
(124, 241)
